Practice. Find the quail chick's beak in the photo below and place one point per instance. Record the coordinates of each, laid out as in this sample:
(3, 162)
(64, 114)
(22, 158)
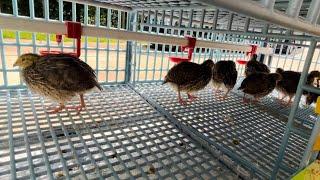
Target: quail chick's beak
(16, 64)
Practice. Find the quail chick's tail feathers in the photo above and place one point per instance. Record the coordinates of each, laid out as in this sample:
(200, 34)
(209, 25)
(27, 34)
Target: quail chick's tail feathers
(99, 87)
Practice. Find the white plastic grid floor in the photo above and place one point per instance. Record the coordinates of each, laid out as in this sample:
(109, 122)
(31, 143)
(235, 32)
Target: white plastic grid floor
(255, 129)
(118, 136)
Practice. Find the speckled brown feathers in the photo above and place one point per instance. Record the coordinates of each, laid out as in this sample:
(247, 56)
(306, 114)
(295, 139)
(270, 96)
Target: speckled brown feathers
(259, 84)
(225, 73)
(58, 77)
(62, 72)
(288, 84)
(189, 76)
(254, 66)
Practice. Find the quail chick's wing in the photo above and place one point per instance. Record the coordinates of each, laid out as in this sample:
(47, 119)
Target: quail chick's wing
(65, 72)
(255, 83)
(184, 73)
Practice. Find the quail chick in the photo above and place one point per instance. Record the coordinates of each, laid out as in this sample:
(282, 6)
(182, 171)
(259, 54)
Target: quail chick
(189, 77)
(288, 84)
(254, 66)
(313, 77)
(224, 74)
(259, 85)
(312, 97)
(57, 77)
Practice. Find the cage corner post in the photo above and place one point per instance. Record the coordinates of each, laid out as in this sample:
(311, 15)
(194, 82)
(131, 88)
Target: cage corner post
(131, 20)
(289, 126)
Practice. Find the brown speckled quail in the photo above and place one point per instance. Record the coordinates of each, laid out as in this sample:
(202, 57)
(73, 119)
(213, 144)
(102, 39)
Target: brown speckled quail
(57, 77)
(254, 66)
(189, 77)
(259, 85)
(288, 84)
(224, 74)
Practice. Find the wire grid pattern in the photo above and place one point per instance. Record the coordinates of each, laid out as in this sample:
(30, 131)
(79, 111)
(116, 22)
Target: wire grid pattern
(153, 3)
(117, 136)
(304, 115)
(258, 131)
(106, 56)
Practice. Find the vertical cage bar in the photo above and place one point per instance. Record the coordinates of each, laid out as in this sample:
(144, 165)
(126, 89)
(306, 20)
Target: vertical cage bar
(31, 8)
(294, 8)
(191, 18)
(294, 108)
(15, 7)
(11, 142)
(155, 46)
(131, 27)
(215, 19)
(46, 9)
(97, 19)
(61, 10)
(246, 25)
(85, 19)
(180, 19)
(74, 11)
(229, 26)
(163, 18)
(313, 12)
(108, 44)
(3, 60)
(26, 140)
(203, 15)
(268, 3)
(171, 18)
(118, 45)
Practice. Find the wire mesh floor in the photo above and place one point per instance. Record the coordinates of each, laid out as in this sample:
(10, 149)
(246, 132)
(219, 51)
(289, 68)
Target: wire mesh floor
(118, 136)
(251, 132)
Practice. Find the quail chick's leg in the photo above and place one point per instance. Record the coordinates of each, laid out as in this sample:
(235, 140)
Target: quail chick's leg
(191, 97)
(289, 101)
(226, 95)
(56, 109)
(181, 101)
(281, 100)
(79, 107)
(256, 99)
(244, 99)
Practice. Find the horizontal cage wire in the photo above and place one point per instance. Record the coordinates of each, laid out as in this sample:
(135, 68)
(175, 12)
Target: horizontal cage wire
(135, 128)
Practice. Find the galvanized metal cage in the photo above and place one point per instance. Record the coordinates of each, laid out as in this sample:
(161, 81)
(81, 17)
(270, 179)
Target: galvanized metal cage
(135, 128)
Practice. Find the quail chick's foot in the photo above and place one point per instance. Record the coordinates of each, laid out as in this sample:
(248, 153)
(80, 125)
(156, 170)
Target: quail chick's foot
(54, 110)
(182, 102)
(223, 97)
(256, 100)
(246, 100)
(191, 97)
(286, 104)
(77, 108)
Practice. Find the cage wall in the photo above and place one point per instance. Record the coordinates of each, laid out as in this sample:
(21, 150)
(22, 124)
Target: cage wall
(201, 125)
